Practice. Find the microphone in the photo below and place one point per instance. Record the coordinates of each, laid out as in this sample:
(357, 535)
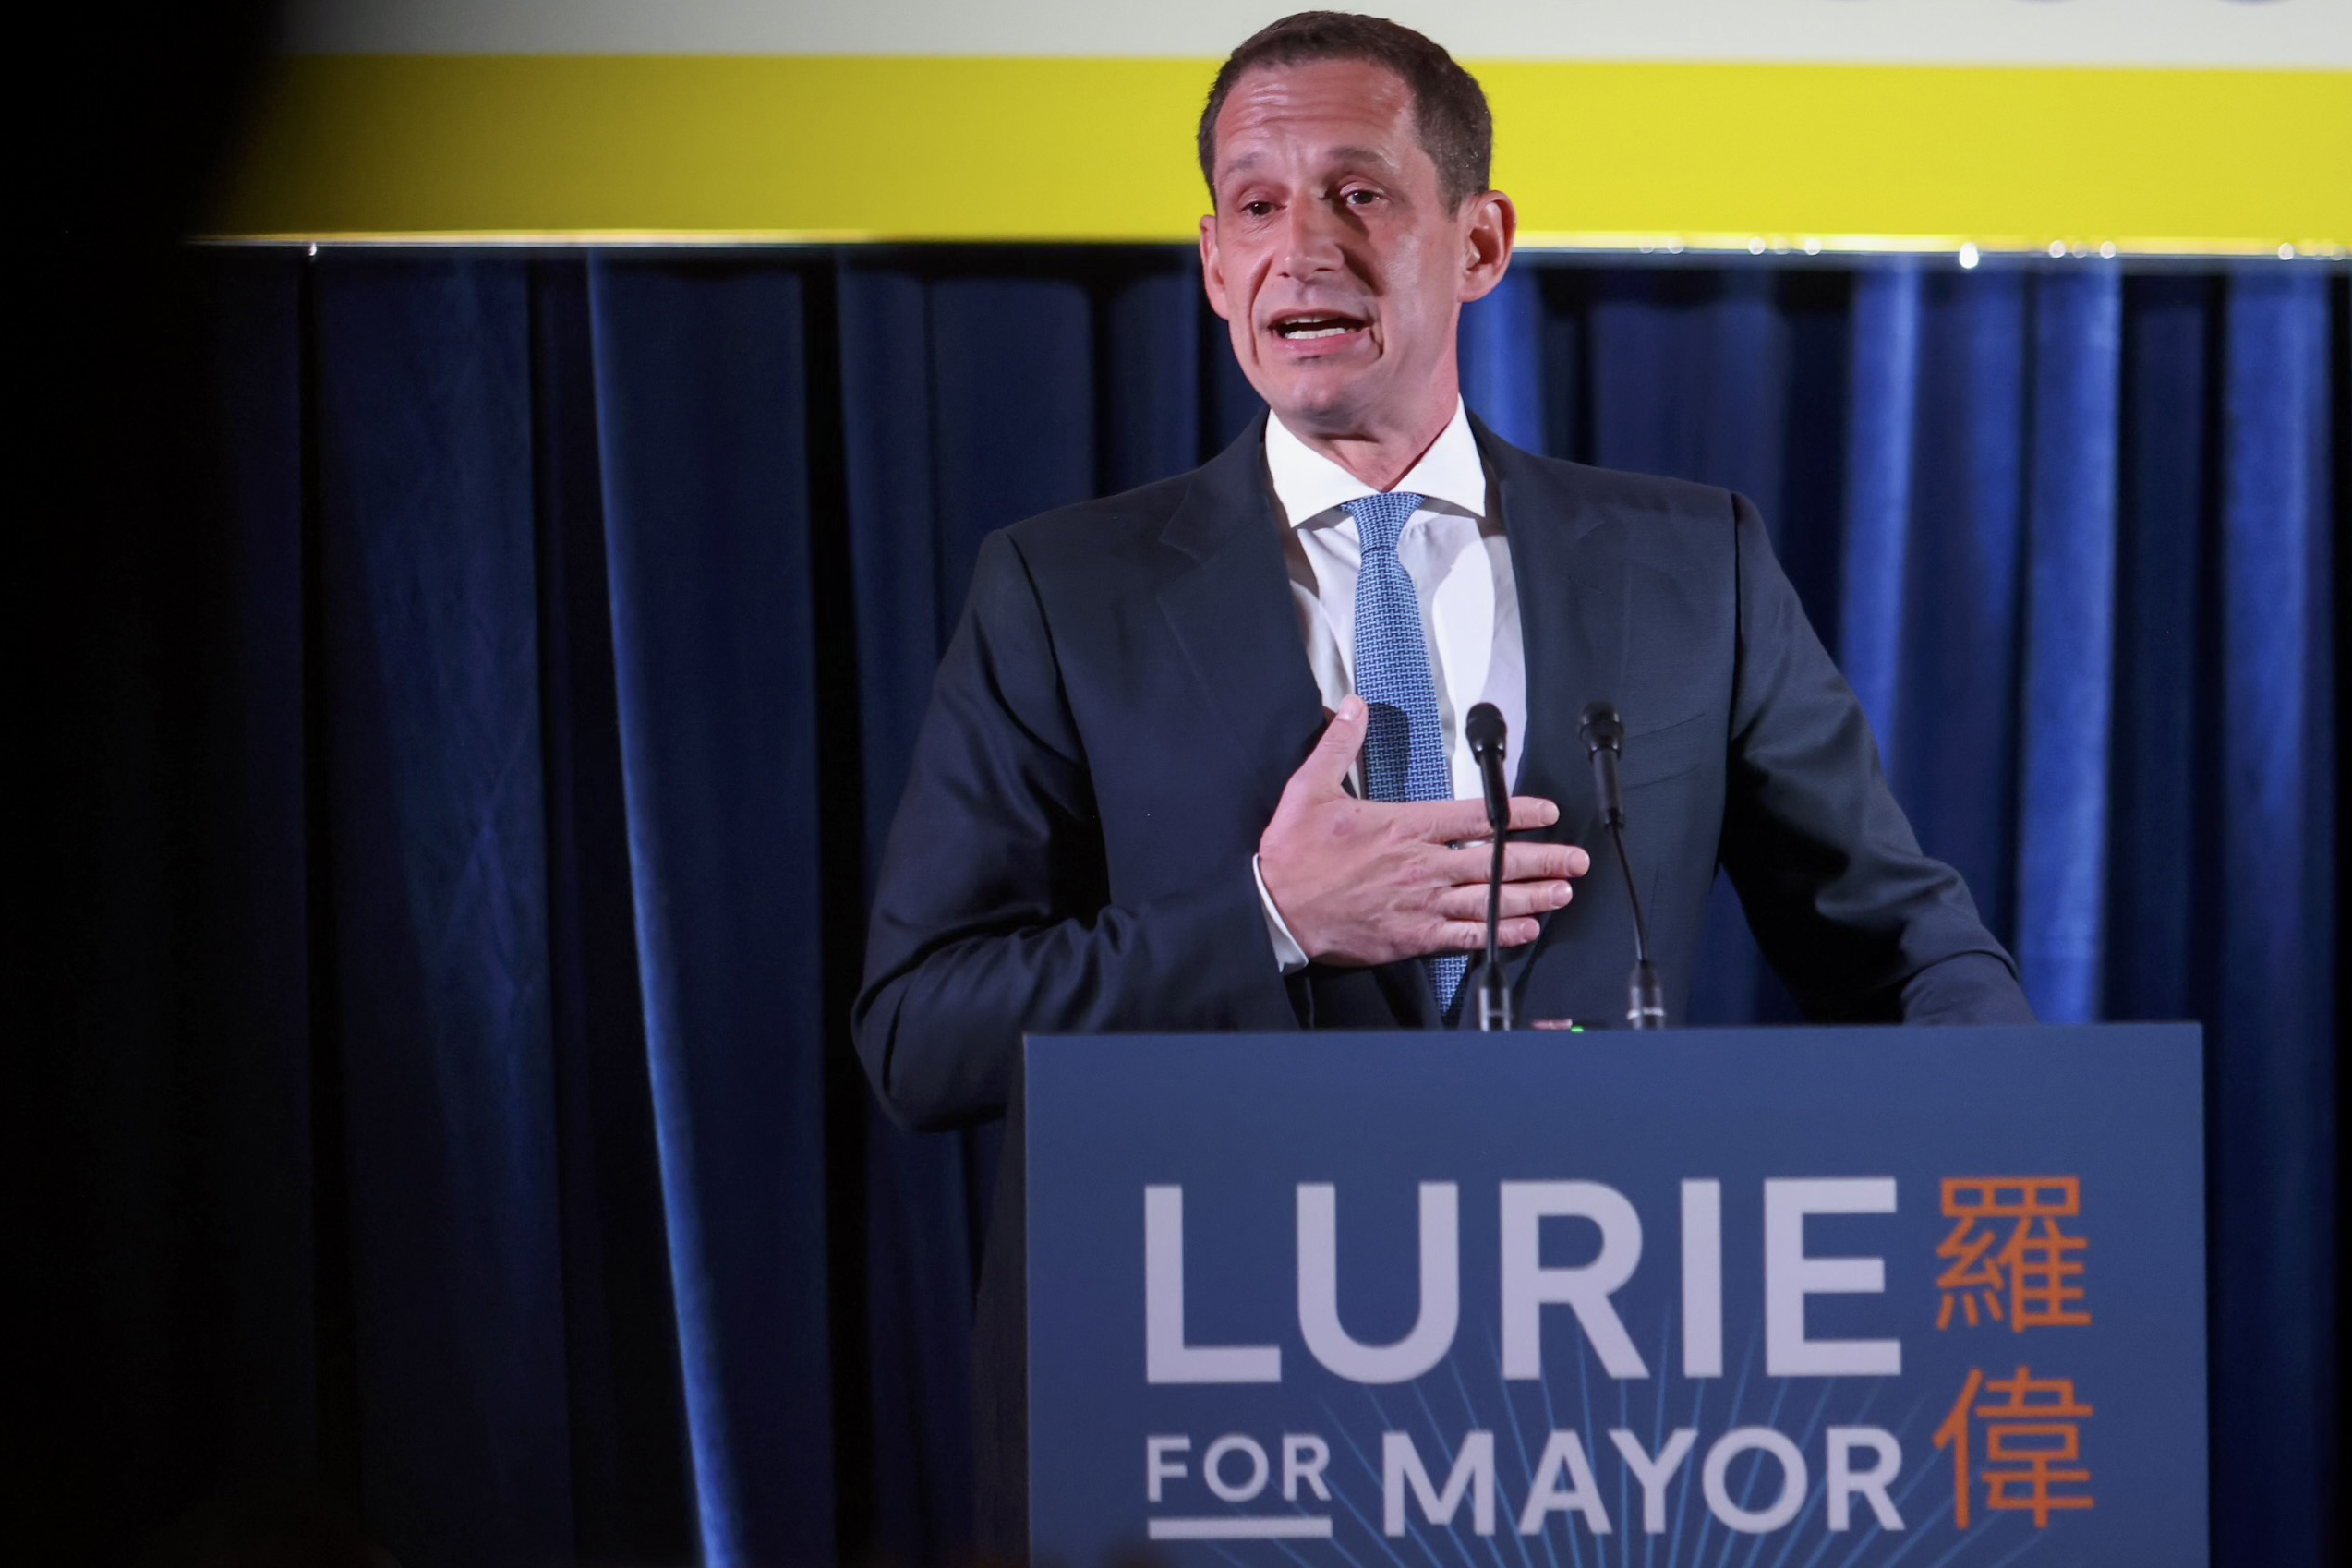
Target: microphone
(1604, 737)
(1485, 730)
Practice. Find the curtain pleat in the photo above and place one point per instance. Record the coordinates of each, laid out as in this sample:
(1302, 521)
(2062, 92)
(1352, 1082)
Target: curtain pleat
(2270, 1139)
(702, 412)
(2069, 643)
(1963, 598)
(581, 610)
(2163, 861)
(432, 902)
(1882, 420)
(1149, 361)
(1500, 377)
(631, 1471)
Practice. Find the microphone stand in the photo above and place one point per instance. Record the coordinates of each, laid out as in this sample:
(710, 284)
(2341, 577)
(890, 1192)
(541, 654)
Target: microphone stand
(1494, 996)
(1644, 993)
(1604, 735)
(1485, 730)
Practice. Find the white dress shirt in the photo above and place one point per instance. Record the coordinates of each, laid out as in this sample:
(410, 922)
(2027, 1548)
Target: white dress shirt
(1452, 547)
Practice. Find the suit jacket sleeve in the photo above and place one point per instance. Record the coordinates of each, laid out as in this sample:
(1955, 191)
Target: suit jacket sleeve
(1858, 922)
(993, 913)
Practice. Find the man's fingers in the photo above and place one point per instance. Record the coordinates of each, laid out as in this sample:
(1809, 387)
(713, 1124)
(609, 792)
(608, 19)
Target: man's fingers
(1529, 811)
(1468, 901)
(1528, 862)
(1470, 935)
(1456, 822)
(1470, 865)
(1448, 821)
(1327, 765)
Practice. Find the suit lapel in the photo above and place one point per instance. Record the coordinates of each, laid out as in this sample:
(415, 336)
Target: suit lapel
(1575, 624)
(1229, 607)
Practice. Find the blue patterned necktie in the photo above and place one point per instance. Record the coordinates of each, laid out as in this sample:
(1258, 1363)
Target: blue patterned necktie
(1404, 745)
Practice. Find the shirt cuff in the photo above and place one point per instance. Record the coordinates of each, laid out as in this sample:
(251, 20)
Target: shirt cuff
(1287, 952)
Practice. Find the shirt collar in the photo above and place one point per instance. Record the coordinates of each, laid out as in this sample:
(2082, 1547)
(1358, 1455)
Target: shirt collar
(1308, 484)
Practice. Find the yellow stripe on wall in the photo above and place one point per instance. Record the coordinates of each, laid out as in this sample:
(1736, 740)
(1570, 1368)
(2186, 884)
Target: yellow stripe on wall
(474, 148)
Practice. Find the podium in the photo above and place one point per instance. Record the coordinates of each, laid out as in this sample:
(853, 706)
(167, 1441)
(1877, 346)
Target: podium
(1825, 1297)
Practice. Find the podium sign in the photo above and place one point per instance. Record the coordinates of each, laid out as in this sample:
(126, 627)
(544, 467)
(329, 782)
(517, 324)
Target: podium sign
(1780, 1298)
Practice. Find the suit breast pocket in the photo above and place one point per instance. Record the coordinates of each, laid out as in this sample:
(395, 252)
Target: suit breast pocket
(1670, 751)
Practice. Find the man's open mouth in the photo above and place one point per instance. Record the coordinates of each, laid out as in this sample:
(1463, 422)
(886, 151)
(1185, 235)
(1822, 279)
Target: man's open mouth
(1306, 326)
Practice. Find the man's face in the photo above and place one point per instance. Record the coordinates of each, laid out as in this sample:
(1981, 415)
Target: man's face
(1331, 254)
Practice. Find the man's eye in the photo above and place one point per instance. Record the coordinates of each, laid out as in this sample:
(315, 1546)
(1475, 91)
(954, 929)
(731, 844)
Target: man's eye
(1257, 209)
(1361, 197)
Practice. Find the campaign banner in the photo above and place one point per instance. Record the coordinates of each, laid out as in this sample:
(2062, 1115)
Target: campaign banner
(1792, 1298)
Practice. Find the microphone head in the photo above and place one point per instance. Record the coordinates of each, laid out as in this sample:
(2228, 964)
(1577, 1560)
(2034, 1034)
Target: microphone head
(1602, 729)
(1485, 729)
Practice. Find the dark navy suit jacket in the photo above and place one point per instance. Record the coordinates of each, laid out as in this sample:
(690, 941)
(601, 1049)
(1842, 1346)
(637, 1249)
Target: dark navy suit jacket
(1128, 694)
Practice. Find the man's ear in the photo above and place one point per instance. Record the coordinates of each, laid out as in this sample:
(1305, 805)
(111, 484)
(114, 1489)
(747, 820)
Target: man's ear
(1213, 275)
(1490, 230)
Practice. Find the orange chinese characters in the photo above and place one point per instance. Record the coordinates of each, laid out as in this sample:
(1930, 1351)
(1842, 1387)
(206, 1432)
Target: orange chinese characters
(2032, 1446)
(2032, 1277)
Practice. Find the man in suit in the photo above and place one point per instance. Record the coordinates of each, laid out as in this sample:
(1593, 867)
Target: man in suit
(1193, 757)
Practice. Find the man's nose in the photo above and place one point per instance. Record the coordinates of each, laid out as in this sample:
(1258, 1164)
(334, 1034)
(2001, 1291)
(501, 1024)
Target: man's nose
(1312, 238)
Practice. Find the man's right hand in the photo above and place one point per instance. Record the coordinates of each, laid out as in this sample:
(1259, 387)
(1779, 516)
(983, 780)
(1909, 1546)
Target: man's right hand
(1369, 882)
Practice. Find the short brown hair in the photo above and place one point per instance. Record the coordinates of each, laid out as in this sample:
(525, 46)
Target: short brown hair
(1449, 109)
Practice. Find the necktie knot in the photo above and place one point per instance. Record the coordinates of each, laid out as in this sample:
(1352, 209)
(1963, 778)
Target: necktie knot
(1380, 519)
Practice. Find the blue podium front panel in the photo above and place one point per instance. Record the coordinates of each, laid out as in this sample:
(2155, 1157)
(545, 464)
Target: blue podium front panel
(1813, 1298)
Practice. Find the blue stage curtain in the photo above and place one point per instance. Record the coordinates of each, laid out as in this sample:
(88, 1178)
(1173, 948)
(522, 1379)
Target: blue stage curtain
(565, 623)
